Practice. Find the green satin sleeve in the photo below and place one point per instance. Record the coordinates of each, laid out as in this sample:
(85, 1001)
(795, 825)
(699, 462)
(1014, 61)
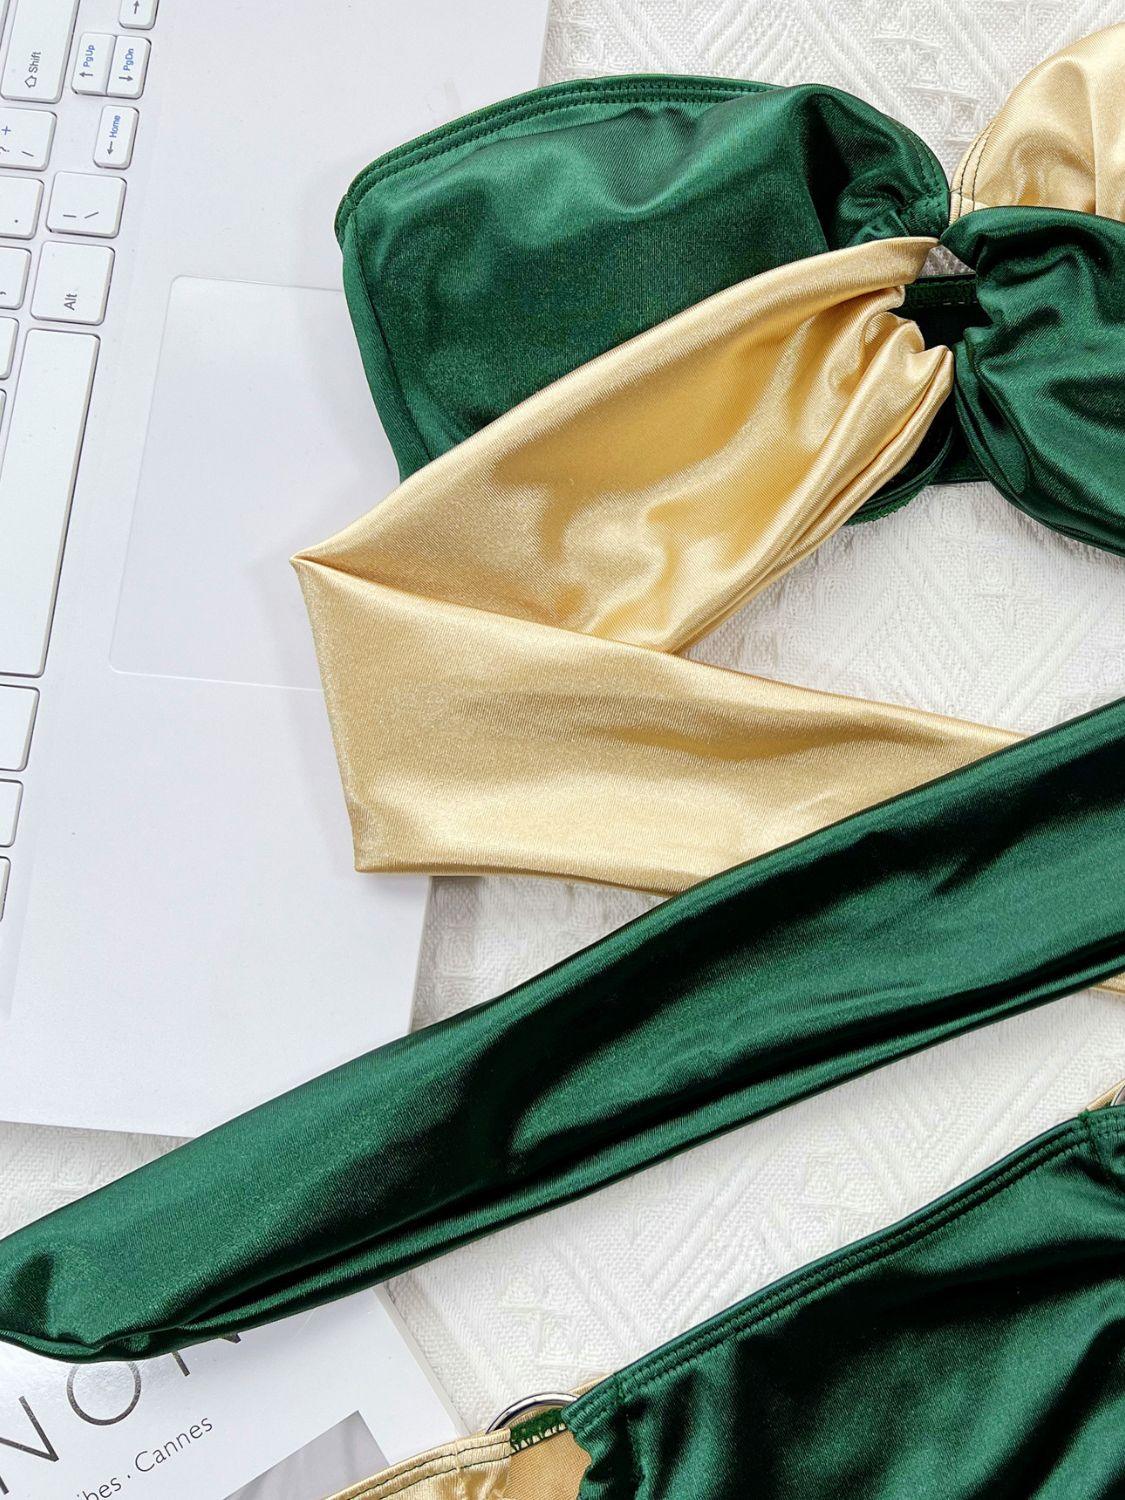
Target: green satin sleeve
(620, 201)
(968, 900)
(973, 1350)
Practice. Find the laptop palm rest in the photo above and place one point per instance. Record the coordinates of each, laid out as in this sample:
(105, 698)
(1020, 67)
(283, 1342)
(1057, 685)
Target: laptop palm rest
(262, 438)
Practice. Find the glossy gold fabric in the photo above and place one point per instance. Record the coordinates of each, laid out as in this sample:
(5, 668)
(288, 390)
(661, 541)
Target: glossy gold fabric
(474, 1468)
(1058, 142)
(495, 639)
(489, 1466)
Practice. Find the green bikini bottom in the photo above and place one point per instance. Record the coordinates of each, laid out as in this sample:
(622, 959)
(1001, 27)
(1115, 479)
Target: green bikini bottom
(975, 1350)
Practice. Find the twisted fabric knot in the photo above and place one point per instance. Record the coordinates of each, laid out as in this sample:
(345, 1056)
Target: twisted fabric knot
(641, 345)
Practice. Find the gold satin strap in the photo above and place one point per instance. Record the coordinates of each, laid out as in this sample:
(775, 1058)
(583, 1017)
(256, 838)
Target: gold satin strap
(1058, 141)
(490, 1466)
(495, 639)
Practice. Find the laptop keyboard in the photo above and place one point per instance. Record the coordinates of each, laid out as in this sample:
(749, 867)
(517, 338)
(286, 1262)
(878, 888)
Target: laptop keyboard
(56, 270)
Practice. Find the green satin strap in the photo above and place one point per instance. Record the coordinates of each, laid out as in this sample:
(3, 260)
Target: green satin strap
(967, 900)
(973, 1350)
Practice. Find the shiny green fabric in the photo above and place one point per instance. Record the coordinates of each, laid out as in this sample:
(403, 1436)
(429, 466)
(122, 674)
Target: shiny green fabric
(490, 257)
(621, 201)
(1040, 382)
(975, 1350)
(966, 900)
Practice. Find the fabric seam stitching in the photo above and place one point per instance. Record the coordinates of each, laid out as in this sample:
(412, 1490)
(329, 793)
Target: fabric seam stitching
(843, 1268)
(517, 111)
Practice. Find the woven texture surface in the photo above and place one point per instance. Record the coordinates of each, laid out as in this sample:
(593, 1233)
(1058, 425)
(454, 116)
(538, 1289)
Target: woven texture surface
(957, 604)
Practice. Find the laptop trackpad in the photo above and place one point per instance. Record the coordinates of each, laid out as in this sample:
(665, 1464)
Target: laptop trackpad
(262, 439)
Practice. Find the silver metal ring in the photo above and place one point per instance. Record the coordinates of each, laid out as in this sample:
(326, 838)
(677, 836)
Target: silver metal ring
(1119, 1097)
(519, 1409)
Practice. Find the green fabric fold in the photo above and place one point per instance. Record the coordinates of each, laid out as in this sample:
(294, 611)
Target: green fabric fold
(967, 900)
(974, 1349)
(1040, 375)
(492, 256)
(622, 201)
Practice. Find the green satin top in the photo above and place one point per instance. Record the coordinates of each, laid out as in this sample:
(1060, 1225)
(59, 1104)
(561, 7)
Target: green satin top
(622, 201)
(619, 201)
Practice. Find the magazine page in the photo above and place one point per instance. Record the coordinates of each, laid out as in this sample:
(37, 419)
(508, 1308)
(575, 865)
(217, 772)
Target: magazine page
(293, 1411)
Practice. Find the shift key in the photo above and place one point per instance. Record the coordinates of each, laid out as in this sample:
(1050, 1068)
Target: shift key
(36, 484)
(38, 47)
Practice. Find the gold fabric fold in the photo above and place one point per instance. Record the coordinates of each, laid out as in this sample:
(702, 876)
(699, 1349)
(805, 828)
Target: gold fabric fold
(1058, 141)
(496, 638)
(504, 1465)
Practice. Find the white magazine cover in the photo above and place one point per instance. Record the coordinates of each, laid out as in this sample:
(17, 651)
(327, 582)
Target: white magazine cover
(296, 1410)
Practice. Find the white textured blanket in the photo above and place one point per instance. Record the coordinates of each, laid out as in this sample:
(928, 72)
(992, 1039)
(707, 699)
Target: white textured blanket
(956, 604)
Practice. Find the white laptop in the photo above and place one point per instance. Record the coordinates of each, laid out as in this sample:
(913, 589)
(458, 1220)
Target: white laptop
(182, 932)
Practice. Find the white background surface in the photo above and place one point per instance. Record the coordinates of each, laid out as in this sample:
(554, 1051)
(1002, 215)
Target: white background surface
(957, 604)
(265, 1397)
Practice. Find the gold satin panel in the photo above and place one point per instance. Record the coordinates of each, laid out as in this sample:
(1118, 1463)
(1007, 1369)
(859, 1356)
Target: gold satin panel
(483, 1468)
(1058, 141)
(496, 639)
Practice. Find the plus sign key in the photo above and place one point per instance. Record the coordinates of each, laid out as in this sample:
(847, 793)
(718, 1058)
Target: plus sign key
(25, 138)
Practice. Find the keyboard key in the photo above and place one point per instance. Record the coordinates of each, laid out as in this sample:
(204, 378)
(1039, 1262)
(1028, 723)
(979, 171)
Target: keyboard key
(116, 132)
(73, 284)
(82, 203)
(139, 15)
(25, 138)
(8, 327)
(17, 717)
(14, 266)
(36, 484)
(11, 794)
(5, 867)
(130, 64)
(91, 65)
(19, 206)
(37, 50)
